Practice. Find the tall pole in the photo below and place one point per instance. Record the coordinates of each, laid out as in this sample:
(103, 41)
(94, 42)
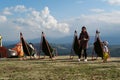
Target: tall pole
(0, 41)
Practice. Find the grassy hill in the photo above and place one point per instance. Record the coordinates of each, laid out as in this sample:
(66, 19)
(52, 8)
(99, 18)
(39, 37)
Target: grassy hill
(62, 68)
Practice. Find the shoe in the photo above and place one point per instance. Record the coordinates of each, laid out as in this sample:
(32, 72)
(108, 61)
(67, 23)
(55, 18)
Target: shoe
(79, 60)
(85, 60)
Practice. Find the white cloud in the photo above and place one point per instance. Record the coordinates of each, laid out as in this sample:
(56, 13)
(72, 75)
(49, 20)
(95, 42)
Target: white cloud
(43, 20)
(32, 22)
(107, 23)
(113, 2)
(17, 9)
(3, 19)
(7, 11)
(20, 8)
(97, 10)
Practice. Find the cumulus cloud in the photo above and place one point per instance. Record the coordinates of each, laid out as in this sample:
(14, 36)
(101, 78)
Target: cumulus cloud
(97, 10)
(7, 11)
(113, 2)
(32, 22)
(107, 23)
(43, 20)
(20, 8)
(3, 19)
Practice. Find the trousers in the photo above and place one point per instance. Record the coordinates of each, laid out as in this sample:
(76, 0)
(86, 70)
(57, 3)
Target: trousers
(84, 53)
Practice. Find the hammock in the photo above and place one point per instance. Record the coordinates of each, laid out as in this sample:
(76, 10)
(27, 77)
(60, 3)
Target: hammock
(76, 44)
(46, 48)
(28, 51)
(98, 47)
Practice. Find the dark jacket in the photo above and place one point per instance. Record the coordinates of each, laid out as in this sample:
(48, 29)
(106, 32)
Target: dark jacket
(84, 38)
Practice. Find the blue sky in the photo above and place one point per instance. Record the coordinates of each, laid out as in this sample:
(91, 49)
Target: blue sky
(58, 18)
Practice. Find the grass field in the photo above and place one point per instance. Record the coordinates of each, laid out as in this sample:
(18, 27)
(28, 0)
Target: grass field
(62, 68)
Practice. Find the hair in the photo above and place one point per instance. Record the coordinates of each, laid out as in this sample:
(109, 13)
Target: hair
(105, 42)
(83, 27)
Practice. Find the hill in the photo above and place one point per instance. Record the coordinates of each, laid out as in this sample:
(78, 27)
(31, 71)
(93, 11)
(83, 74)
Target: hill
(68, 39)
(62, 68)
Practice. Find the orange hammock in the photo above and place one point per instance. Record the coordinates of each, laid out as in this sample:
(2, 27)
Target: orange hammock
(18, 49)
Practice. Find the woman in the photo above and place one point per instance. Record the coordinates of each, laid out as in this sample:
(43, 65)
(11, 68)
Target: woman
(83, 38)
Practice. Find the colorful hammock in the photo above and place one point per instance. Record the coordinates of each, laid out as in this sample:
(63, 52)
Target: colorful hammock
(46, 48)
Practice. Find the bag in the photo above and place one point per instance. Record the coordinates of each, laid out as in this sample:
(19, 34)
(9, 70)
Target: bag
(106, 55)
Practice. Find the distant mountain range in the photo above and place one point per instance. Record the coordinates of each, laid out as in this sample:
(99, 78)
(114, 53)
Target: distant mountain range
(68, 39)
(64, 45)
(65, 49)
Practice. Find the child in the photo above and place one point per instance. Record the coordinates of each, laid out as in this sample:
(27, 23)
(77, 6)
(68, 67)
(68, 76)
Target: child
(106, 51)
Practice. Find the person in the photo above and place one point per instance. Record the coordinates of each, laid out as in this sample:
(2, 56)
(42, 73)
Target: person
(83, 39)
(106, 52)
(0, 41)
(33, 53)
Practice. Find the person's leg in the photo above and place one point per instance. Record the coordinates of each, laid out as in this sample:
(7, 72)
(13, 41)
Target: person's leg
(85, 54)
(79, 55)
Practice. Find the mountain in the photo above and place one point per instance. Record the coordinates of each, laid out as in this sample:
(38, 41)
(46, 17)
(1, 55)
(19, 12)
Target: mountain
(113, 40)
(69, 39)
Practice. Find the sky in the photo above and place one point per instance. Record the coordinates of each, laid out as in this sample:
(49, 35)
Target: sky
(58, 18)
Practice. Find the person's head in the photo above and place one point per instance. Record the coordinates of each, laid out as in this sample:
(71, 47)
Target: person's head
(105, 43)
(97, 32)
(83, 29)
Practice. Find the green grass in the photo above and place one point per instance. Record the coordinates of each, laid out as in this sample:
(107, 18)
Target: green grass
(60, 69)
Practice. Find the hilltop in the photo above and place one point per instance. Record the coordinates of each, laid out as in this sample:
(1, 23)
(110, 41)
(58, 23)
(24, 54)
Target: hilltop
(62, 68)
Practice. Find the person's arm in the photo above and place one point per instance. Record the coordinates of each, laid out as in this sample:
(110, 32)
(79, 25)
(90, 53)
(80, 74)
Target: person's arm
(87, 37)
